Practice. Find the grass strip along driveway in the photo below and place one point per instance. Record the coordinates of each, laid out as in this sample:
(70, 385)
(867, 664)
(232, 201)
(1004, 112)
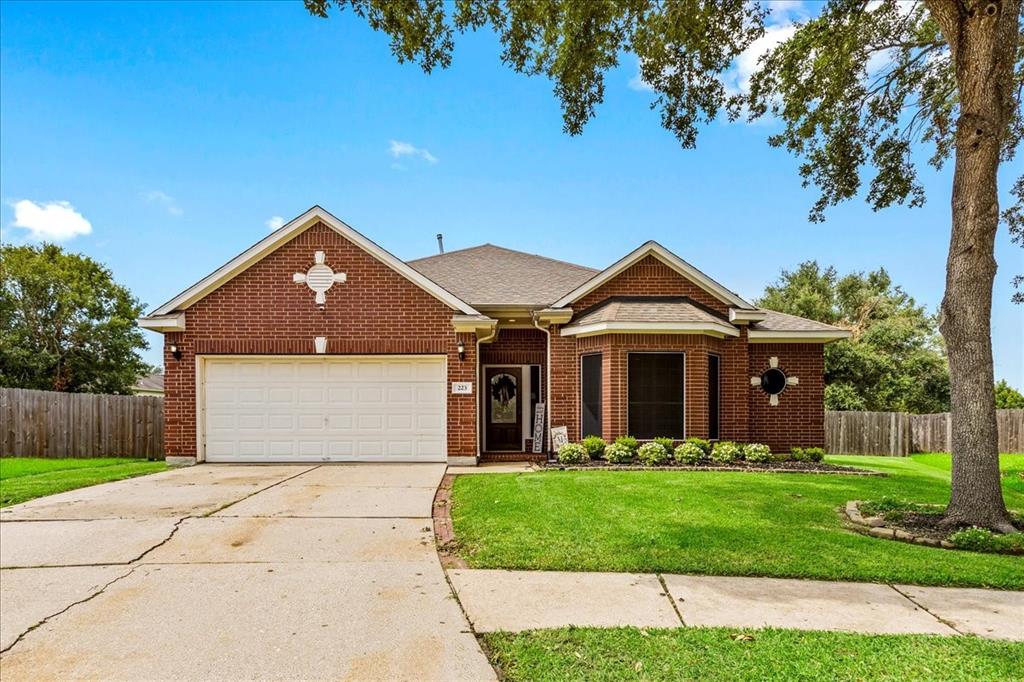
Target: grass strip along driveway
(25, 478)
(718, 523)
(725, 654)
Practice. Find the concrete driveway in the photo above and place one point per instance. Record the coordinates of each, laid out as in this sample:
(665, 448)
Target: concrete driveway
(234, 572)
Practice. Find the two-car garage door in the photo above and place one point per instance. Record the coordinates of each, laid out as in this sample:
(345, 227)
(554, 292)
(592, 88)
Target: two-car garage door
(334, 408)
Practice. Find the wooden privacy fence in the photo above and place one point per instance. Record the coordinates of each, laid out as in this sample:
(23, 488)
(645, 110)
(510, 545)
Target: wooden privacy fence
(50, 424)
(899, 434)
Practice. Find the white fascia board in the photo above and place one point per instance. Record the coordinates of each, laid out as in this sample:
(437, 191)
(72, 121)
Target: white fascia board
(747, 315)
(595, 328)
(768, 336)
(286, 232)
(554, 315)
(473, 324)
(668, 258)
(163, 323)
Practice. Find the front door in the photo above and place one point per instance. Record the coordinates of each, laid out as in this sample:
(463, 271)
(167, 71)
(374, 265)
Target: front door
(504, 408)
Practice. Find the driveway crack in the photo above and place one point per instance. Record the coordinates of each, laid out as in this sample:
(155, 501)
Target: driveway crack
(66, 609)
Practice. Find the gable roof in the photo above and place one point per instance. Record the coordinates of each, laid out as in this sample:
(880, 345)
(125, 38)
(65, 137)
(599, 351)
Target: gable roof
(655, 249)
(489, 275)
(285, 233)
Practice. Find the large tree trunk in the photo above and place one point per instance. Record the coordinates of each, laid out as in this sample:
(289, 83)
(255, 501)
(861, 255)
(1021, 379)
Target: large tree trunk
(982, 36)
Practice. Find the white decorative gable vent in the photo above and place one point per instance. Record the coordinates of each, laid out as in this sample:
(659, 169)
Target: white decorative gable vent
(773, 381)
(320, 277)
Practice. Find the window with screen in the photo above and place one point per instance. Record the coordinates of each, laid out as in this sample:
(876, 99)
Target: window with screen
(655, 386)
(590, 399)
(714, 374)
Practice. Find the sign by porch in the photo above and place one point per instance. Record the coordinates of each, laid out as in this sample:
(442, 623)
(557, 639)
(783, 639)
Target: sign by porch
(538, 428)
(462, 387)
(559, 437)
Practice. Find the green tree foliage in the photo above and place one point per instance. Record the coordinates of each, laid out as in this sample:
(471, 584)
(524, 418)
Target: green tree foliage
(856, 89)
(1007, 397)
(65, 324)
(893, 362)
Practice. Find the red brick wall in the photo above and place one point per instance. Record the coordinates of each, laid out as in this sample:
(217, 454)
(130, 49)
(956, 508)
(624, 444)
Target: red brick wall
(263, 311)
(799, 418)
(745, 414)
(650, 277)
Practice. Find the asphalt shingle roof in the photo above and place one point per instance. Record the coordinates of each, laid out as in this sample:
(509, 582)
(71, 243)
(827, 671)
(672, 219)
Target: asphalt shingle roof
(784, 322)
(650, 310)
(493, 275)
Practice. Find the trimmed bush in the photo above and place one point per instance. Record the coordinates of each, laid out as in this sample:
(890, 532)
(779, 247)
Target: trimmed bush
(595, 446)
(983, 540)
(704, 445)
(652, 454)
(757, 452)
(666, 443)
(726, 452)
(689, 453)
(808, 454)
(628, 442)
(617, 453)
(573, 453)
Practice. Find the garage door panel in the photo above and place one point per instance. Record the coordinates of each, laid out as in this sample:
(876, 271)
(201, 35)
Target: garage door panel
(336, 408)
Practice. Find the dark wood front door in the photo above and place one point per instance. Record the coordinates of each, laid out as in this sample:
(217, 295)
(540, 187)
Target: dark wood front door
(503, 408)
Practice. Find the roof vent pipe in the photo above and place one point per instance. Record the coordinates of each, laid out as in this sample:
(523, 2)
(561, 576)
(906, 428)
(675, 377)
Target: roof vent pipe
(440, 243)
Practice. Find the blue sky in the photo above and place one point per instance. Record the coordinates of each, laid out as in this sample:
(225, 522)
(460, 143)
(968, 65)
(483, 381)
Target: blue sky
(177, 131)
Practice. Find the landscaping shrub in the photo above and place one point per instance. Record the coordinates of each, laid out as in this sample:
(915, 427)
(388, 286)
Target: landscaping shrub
(808, 454)
(983, 540)
(595, 446)
(704, 445)
(628, 442)
(689, 453)
(757, 452)
(652, 454)
(617, 453)
(666, 443)
(726, 452)
(573, 453)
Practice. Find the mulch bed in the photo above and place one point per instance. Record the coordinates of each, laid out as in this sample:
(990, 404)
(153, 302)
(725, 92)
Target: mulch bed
(764, 467)
(917, 528)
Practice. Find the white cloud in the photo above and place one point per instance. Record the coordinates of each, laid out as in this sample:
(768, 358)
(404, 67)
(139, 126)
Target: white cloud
(50, 221)
(274, 223)
(399, 149)
(163, 199)
(737, 80)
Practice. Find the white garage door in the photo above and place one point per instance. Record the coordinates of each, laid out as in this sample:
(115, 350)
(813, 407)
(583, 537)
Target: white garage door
(373, 409)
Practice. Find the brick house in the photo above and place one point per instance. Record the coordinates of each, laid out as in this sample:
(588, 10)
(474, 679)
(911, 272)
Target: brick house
(316, 344)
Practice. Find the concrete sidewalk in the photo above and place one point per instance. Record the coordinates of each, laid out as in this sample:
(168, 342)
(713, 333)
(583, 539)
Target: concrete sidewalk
(523, 600)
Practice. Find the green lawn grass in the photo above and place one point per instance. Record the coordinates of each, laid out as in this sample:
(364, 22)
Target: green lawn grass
(713, 654)
(25, 478)
(715, 523)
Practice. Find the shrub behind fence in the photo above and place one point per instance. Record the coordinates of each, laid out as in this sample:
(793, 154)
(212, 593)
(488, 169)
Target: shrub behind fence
(51, 424)
(899, 434)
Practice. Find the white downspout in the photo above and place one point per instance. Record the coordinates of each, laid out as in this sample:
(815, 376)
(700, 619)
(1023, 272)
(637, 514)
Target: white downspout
(480, 394)
(547, 385)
